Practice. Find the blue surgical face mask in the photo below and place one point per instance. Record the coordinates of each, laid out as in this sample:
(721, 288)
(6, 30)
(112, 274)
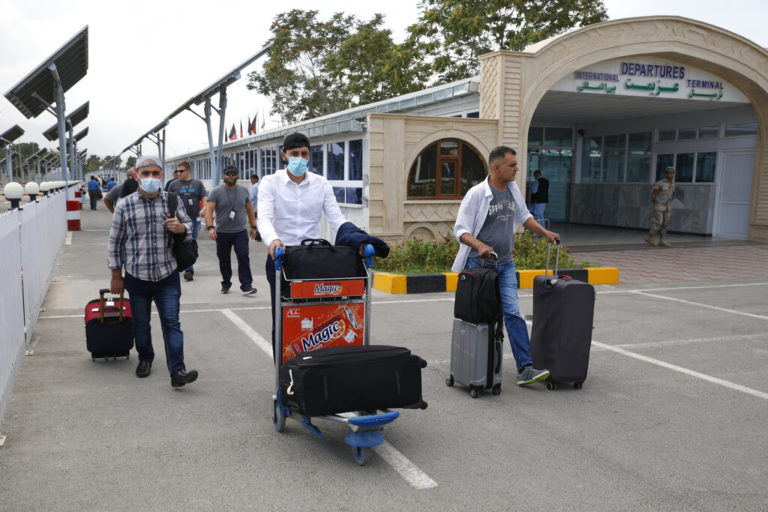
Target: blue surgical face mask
(297, 166)
(150, 185)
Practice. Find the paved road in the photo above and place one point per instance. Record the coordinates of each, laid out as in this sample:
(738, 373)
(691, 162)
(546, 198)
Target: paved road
(672, 416)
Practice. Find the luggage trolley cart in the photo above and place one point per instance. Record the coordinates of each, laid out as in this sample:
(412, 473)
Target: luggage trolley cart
(300, 315)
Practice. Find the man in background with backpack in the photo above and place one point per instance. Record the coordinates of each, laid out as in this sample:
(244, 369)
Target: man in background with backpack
(140, 241)
(488, 218)
(192, 194)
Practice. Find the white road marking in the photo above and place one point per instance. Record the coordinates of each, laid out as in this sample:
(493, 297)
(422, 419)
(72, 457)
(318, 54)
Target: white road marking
(407, 469)
(68, 238)
(399, 462)
(716, 308)
(686, 371)
(254, 336)
(692, 341)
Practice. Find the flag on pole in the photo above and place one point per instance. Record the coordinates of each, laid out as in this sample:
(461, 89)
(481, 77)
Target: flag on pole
(263, 119)
(250, 132)
(253, 126)
(232, 133)
(241, 128)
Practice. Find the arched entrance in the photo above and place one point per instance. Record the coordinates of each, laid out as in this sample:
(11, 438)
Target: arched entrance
(514, 83)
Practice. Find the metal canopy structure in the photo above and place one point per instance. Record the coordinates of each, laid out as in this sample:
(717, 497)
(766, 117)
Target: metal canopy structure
(37, 155)
(44, 86)
(81, 134)
(156, 135)
(8, 137)
(73, 119)
(219, 87)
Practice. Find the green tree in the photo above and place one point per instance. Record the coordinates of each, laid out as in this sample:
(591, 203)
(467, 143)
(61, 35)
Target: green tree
(319, 67)
(93, 163)
(452, 34)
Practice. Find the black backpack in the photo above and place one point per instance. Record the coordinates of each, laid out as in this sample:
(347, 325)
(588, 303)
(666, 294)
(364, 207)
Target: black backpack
(477, 296)
(184, 250)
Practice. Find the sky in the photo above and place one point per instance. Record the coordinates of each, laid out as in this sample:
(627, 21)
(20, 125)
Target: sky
(147, 58)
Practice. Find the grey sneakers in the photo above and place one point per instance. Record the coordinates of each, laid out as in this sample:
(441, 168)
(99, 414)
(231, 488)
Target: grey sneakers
(529, 375)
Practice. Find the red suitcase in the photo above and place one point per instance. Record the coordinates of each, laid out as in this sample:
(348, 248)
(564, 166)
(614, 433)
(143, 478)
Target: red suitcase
(108, 327)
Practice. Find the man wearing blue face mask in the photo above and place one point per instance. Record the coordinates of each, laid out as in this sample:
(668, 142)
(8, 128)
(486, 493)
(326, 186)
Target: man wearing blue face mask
(291, 203)
(139, 241)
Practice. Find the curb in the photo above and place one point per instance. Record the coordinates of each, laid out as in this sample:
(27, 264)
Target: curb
(446, 282)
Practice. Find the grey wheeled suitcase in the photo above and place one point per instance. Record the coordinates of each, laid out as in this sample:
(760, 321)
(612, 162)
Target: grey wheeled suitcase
(561, 337)
(476, 355)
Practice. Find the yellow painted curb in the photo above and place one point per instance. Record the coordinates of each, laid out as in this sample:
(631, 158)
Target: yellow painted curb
(603, 275)
(451, 280)
(390, 283)
(526, 277)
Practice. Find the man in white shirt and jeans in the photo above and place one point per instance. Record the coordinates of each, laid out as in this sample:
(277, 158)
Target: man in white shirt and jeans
(290, 205)
(486, 223)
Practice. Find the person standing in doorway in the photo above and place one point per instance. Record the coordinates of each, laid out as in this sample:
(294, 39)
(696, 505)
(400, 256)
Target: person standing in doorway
(232, 205)
(486, 223)
(662, 194)
(192, 193)
(539, 196)
(139, 242)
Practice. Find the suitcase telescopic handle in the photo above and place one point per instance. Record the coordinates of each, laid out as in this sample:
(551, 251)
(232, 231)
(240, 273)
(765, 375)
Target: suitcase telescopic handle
(492, 259)
(101, 304)
(557, 263)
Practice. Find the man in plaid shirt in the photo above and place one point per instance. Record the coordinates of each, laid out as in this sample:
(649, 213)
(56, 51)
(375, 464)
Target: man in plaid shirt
(140, 242)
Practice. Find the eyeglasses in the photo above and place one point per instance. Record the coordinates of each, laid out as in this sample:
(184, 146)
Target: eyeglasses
(230, 173)
(177, 171)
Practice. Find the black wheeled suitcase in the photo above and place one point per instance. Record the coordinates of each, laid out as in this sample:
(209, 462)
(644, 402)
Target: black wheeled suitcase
(561, 337)
(352, 378)
(108, 327)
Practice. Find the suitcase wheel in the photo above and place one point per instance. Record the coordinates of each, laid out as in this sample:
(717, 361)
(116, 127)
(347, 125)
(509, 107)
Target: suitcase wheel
(278, 418)
(361, 454)
(449, 381)
(496, 389)
(473, 392)
(577, 385)
(551, 385)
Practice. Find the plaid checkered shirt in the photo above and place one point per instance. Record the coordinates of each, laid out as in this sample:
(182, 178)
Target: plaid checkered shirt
(139, 240)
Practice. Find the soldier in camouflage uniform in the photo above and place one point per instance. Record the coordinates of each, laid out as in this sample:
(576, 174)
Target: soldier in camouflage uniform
(662, 194)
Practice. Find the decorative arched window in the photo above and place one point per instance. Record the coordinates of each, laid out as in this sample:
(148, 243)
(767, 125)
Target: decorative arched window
(446, 169)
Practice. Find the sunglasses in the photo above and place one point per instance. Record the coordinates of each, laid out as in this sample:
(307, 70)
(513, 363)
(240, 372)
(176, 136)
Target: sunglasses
(230, 173)
(177, 171)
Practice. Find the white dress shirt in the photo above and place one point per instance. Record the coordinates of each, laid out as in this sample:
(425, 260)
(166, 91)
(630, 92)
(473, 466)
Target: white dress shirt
(473, 211)
(291, 211)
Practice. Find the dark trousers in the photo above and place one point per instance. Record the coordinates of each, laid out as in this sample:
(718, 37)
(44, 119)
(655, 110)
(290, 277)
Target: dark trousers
(166, 295)
(224, 244)
(269, 267)
(94, 196)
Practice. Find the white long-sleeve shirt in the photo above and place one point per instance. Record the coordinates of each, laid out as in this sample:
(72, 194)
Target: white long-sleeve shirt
(472, 214)
(292, 212)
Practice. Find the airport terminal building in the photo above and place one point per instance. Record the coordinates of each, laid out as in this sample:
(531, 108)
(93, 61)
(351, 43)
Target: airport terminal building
(600, 111)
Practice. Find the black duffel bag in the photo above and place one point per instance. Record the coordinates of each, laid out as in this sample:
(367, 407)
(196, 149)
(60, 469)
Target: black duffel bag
(477, 296)
(333, 380)
(316, 258)
(184, 249)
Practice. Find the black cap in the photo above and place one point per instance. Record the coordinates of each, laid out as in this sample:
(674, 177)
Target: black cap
(295, 140)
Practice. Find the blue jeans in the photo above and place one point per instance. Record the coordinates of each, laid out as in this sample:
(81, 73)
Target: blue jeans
(195, 231)
(224, 244)
(516, 326)
(537, 210)
(166, 294)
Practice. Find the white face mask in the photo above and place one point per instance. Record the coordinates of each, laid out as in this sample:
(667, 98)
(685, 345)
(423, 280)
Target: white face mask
(150, 185)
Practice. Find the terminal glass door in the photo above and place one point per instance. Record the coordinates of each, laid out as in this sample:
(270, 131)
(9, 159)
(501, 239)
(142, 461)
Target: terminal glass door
(550, 151)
